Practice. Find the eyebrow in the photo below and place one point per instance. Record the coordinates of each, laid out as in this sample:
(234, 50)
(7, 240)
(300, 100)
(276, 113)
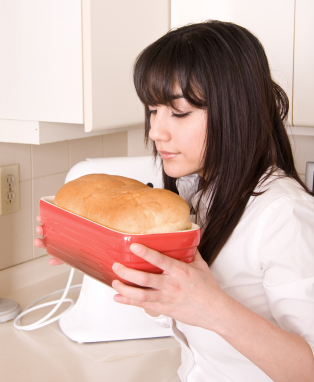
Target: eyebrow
(177, 96)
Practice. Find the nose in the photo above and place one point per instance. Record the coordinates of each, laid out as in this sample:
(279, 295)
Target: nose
(159, 127)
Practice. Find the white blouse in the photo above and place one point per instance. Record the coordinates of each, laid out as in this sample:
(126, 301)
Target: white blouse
(267, 265)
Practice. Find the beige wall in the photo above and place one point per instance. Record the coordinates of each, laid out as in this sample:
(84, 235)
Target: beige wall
(303, 151)
(43, 170)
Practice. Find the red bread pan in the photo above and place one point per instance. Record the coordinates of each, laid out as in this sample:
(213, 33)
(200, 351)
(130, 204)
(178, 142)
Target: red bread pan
(93, 248)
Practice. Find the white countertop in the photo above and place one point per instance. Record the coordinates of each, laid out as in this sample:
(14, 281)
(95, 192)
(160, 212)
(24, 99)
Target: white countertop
(47, 355)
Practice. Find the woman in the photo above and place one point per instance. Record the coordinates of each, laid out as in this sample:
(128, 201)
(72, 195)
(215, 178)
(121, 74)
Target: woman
(244, 309)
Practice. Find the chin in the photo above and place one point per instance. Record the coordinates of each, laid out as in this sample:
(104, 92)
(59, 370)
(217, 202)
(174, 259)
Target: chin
(177, 171)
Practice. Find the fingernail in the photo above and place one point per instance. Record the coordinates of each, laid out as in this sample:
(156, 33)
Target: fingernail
(117, 298)
(135, 248)
(115, 267)
(114, 284)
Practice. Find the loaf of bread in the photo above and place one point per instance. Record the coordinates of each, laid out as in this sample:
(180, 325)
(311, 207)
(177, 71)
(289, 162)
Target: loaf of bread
(124, 204)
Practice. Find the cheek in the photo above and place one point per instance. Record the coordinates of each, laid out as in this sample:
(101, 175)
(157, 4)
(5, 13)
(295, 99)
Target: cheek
(195, 142)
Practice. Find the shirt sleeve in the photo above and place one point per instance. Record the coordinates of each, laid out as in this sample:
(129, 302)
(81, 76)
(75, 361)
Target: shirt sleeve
(163, 321)
(286, 257)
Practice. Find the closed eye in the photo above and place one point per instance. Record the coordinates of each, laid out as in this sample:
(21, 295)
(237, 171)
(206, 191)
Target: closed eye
(181, 115)
(176, 115)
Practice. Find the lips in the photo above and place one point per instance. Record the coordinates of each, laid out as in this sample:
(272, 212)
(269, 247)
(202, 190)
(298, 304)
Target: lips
(167, 154)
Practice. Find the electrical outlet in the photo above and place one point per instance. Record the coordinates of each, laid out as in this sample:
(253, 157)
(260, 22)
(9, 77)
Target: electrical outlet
(309, 175)
(9, 189)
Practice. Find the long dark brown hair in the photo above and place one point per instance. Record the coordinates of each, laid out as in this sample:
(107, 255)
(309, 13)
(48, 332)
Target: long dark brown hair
(221, 67)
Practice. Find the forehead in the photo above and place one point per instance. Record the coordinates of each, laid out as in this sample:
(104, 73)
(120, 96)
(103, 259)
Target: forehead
(164, 95)
(177, 92)
(159, 86)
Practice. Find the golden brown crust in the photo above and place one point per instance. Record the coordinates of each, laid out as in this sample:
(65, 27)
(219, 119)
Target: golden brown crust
(124, 204)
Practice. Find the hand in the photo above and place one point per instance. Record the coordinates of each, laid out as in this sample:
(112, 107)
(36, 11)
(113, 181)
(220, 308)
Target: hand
(40, 242)
(186, 292)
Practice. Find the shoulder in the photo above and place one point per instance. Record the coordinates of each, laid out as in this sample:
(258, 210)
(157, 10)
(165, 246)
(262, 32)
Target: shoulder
(285, 185)
(284, 237)
(278, 186)
(278, 195)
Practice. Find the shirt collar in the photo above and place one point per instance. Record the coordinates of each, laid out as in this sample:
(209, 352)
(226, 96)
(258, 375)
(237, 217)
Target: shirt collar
(187, 187)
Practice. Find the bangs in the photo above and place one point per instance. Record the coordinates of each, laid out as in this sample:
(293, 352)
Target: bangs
(165, 65)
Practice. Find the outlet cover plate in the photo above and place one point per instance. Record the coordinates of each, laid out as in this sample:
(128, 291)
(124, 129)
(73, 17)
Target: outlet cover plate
(5, 206)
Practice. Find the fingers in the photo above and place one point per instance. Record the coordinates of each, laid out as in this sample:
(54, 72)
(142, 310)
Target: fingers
(141, 278)
(161, 261)
(55, 261)
(127, 301)
(131, 295)
(39, 230)
(40, 243)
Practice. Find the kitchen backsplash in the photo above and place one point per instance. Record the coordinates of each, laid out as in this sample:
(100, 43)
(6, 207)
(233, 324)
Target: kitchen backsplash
(43, 169)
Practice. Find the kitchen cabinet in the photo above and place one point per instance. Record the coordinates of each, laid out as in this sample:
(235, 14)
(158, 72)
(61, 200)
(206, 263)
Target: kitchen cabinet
(303, 96)
(284, 27)
(66, 66)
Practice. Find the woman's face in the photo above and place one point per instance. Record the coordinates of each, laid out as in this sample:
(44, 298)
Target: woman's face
(179, 136)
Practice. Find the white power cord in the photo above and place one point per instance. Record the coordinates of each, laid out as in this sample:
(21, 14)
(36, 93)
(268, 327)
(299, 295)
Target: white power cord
(43, 321)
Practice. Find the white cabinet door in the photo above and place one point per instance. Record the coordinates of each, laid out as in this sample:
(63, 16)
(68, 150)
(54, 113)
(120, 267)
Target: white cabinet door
(114, 33)
(66, 66)
(271, 21)
(41, 61)
(303, 94)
